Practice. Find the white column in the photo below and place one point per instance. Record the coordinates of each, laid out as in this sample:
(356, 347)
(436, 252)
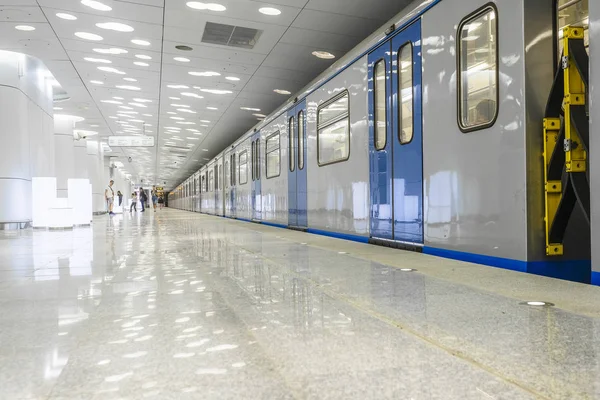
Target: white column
(594, 34)
(25, 109)
(95, 167)
(80, 161)
(64, 151)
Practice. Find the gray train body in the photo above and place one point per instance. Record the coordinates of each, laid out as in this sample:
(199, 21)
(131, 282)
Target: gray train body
(482, 191)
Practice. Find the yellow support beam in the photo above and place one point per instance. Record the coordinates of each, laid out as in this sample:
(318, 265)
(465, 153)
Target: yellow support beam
(575, 154)
(553, 189)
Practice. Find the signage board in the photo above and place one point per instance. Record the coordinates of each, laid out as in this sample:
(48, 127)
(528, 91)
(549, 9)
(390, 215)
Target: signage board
(131, 141)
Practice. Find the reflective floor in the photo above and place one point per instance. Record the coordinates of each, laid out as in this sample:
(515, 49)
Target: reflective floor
(176, 305)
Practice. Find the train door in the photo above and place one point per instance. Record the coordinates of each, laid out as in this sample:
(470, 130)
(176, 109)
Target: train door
(297, 177)
(395, 138)
(256, 178)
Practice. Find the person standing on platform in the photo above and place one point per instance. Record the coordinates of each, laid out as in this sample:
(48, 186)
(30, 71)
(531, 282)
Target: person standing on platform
(154, 195)
(120, 197)
(143, 199)
(161, 202)
(133, 206)
(109, 195)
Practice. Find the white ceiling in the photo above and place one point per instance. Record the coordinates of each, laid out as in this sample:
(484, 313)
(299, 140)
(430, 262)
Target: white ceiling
(281, 59)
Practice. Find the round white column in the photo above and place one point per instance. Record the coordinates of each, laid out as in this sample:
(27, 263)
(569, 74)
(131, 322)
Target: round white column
(80, 163)
(26, 109)
(64, 149)
(95, 167)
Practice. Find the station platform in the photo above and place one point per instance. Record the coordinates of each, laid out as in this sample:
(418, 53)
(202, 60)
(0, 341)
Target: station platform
(178, 305)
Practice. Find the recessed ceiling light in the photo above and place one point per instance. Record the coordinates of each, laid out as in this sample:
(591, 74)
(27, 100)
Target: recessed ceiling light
(115, 26)
(206, 73)
(206, 6)
(88, 36)
(171, 113)
(178, 86)
(66, 16)
(142, 100)
(57, 108)
(281, 91)
(181, 59)
(249, 109)
(323, 54)
(186, 110)
(205, 121)
(111, 101)
(175, 98)
(216, 91)
(130, 79)
(73, 118)
(140, 42)
(232, 78)
(117, 98)
(141, 64)
(97, 82)
(177, 118)
(97, 60)
(143, 57)
(96, 5)
(185, 123)
(112, 70)
(189, 94)
(138, 105)
(269, 11)
(147, 115)
(94, 126)
(24, 28)
(407, 269)
(112, 50)
(127, 87)
(212, 108)
(260, 115)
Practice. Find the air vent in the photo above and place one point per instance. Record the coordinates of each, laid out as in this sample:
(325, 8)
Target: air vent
(229, 35)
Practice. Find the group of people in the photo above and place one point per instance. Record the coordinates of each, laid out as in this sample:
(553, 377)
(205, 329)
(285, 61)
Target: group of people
(109, 195)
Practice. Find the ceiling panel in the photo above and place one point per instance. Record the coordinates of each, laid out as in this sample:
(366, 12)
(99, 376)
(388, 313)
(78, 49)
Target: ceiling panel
(379, 10)
(336, 23)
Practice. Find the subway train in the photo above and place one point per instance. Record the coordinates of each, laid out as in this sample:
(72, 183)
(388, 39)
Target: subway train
(427, 136)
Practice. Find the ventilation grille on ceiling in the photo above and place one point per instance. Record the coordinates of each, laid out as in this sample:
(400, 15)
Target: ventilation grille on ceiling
(229, 35)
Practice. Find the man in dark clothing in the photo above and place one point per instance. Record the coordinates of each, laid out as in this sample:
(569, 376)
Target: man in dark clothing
(143, 199)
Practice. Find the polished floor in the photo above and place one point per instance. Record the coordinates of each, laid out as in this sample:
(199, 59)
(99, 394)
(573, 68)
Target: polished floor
(177, 305)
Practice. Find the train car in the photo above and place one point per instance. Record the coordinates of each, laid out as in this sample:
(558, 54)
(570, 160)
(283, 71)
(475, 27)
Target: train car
(426, 136)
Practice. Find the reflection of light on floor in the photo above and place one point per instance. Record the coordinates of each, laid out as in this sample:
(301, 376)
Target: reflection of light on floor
(54, 365)
(69, 319)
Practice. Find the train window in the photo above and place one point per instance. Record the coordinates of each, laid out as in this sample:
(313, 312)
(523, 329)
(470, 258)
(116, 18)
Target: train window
(233, 170)
(211, 181)
(380, 103)
(333, 130)
(478, 70)
(573, 13)
(243, 167)
(405, 83)
(258, 159)
(253, 159)
(292, 138)
(220, 180)
(301, 140)
(227, 174)
(216, 187)
(273, 156)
